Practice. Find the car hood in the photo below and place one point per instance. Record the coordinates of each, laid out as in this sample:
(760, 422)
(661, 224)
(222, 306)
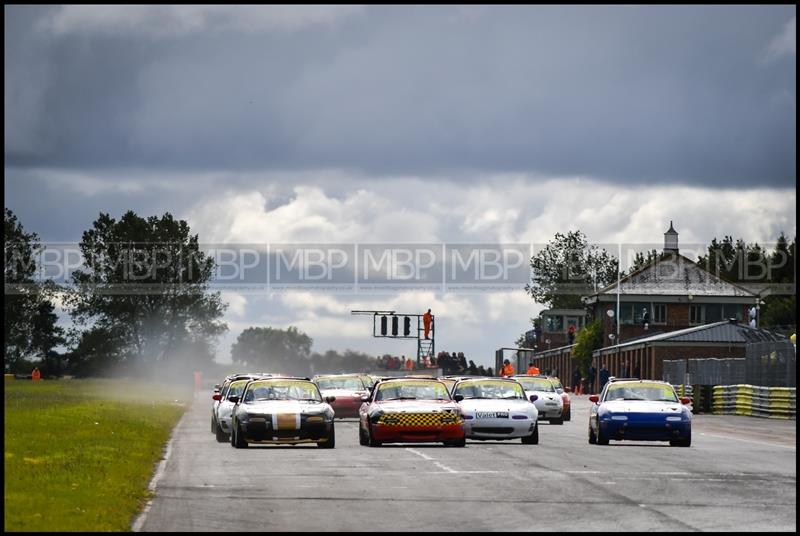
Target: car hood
(641, 406)
(342, 392)
(415, 406)
(495, 404)
(283, 406)
(543, 395)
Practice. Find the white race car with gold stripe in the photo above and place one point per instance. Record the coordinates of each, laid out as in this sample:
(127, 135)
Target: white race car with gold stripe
(282, 411)
(497, 408)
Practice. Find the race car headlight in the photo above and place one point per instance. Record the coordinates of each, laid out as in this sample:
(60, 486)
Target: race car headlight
(619, 417)
(674, 418)
(314, 418)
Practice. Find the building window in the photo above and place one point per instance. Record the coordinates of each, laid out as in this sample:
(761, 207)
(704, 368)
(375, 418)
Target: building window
(733, 310)
(696, 314)
(627, 313)
(713, 312)
(554, 323)
(659, 315)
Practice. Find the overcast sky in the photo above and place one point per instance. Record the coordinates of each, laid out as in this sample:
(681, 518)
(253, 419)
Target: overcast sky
(403, 124)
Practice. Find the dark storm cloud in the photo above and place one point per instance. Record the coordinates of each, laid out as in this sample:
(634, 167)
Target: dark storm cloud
(629, 94)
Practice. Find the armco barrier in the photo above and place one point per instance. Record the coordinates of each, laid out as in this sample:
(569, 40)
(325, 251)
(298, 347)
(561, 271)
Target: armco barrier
(755, 401)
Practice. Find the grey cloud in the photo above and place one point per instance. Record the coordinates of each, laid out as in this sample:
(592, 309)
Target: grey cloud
(626, 94)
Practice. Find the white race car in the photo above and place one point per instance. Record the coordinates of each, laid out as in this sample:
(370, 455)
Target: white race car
(548, 402)
(497, 408)
(223, 406)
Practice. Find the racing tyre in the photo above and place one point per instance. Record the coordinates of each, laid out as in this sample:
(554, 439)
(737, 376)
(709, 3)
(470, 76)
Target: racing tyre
(222, 437)
(237, 440)
(683, 442)
(331, 442)
(601, 439)
(532, 439)
(557, 421)
(213, 426)
(363, 440)
(372, 442)
(592, 438)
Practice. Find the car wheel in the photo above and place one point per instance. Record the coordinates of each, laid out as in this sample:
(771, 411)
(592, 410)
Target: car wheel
(682, 442)
(331, 442)
(222, 437)
(557, 421)
(532, 439)
(372, 442)
(601, 439)
(363, 440)
(592, 438)
(213, 425)
(238, 441)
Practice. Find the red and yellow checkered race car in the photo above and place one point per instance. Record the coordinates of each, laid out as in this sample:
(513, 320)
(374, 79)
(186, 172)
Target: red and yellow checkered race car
(410, 410)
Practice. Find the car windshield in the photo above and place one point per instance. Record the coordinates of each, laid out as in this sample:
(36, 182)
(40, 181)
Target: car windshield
(412, 390)
(641, 391)
(557, 385)
(353, 384)
(536, 384)
(490, 389)
(282, 390)
(236, 388)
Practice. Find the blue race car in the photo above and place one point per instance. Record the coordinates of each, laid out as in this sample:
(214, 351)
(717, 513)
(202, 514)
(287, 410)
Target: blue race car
(640, 410)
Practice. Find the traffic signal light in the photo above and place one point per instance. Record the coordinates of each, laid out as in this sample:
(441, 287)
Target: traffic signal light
(394, 326)
(383, 326)
(406, 326)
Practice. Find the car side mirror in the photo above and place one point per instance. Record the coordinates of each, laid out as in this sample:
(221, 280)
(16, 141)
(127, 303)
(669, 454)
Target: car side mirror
(594, 398)
(686, 400)
(534, 398)
(458, 398)
(234, 399)
(217, 396)
(365, 398)
(330, 399)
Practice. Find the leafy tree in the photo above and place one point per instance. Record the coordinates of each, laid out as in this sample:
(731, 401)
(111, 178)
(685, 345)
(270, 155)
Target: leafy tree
(146, 282)
(273, 350)
(333, 362)
(587, 340)
(568, 268)
(97, 351)
(640, 260)
(45, 336)
(30, 324)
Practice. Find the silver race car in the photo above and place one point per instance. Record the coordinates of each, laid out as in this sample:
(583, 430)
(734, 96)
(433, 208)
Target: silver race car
(548, 402)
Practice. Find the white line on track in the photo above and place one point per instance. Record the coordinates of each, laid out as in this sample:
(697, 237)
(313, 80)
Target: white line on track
(162, 465)
(418, 453)
(443, 467)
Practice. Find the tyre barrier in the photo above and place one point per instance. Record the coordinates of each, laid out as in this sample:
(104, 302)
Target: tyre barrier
(755, 401)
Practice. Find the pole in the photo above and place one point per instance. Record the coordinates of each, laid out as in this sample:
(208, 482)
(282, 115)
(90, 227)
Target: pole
(619, 260)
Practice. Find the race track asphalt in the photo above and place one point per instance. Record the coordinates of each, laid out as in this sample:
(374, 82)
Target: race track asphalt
(739, 475)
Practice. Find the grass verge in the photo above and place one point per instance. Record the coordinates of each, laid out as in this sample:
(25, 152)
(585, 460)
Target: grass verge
(80, 453)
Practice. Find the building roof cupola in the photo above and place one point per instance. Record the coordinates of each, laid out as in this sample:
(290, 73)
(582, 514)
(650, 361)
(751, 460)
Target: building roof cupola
(671, 240)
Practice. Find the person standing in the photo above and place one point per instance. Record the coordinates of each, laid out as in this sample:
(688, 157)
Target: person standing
(473, 370)
(603, 376)
(427, 320)
(571, 333)
(576, 380)
(532, 369)
(592, 376)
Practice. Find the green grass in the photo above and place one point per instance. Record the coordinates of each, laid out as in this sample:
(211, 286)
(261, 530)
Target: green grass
(80, 453)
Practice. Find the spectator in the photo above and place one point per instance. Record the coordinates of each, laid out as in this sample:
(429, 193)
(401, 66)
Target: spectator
(462, 362)
(489, 371)
(426, 362)
(473, 370)
(603, 376)
(532, 369)
(507, 370)
(576, 380)
(481, 371)
(571, 333)
(592, 376)
(409, 364)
